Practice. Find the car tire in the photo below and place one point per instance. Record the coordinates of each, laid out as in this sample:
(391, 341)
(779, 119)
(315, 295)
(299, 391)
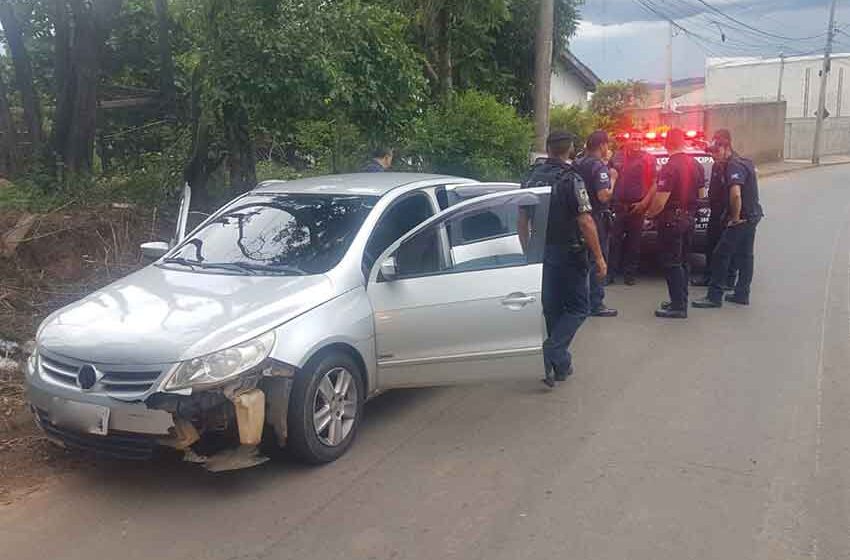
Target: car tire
(325, 409)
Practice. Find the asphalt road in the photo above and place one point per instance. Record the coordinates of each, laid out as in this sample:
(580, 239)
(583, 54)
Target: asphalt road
(724, 436)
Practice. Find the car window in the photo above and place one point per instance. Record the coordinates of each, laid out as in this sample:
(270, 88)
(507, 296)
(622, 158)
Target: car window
(277, 233)
(479, 237)
(400, 218)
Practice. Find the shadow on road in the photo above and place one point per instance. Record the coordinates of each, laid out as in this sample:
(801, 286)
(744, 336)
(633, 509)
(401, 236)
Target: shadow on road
(168, 474)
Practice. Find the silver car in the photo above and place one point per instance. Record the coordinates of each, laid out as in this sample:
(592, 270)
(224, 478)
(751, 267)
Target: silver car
(280, 314)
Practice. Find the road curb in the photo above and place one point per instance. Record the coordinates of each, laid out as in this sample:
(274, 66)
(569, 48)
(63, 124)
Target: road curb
(801, 168)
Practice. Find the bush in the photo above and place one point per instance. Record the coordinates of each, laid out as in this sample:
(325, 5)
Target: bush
(574, 119)
(473, 135)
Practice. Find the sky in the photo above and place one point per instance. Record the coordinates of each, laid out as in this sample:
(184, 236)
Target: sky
(626, 39)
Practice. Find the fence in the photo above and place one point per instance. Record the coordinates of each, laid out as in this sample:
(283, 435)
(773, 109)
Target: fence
(800, 137)
(757, 129)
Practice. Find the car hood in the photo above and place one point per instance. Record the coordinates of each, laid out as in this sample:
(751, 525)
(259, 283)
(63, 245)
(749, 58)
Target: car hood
(161, 315)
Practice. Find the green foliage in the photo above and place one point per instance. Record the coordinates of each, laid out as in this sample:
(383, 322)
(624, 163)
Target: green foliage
(473, 135)
(573, 118)
(612, 98)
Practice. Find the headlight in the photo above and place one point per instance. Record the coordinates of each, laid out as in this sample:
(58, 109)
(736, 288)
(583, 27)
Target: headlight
(223, 365)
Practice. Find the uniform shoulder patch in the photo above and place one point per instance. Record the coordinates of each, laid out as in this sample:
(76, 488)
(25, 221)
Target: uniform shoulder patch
(582, 198)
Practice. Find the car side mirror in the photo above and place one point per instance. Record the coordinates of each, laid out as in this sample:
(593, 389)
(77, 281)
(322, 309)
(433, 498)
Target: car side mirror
(154, 249)
(389, 269)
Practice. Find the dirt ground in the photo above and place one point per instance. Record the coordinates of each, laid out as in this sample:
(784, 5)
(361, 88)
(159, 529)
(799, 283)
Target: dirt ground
(60, 257)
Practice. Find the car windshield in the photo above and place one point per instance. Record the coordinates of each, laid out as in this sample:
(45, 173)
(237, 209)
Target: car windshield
(290, 234)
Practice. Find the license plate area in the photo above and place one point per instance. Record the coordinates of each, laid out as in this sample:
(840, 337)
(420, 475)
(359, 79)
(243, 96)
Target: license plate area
(81, 417)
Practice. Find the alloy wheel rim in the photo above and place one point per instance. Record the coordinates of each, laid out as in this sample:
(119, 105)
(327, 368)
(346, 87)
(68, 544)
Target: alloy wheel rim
(335, 406)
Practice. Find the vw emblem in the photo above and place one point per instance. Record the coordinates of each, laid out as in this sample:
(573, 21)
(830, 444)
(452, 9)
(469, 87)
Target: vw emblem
(87, 377)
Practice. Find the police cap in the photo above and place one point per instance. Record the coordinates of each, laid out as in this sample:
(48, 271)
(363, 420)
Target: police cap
(560, 142)
(721, 139)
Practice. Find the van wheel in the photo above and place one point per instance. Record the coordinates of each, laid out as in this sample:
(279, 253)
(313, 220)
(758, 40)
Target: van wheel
(325, 408)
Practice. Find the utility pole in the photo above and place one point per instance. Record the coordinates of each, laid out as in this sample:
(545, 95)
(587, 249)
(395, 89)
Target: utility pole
(830, 34)
(781, 76)
(668, 85)
(543, 72)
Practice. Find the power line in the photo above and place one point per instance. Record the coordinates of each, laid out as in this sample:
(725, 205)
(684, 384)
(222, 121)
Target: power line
(756, 29)
(710, 21)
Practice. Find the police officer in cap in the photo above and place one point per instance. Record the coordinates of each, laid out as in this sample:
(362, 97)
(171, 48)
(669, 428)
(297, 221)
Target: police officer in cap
(718, 198)
(597, 180)
(737, 242)
(570, 232)
(635, 189)
(675, 203)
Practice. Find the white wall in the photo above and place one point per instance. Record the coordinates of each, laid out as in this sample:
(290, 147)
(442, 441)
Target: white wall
(566, 88)
(734, 82)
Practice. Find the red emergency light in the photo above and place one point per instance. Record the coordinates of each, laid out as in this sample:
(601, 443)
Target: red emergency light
(691, 133)
(651, 135)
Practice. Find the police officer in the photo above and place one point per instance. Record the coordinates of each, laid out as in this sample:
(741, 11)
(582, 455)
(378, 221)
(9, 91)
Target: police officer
(570, 232)
(675, 203)
(382, 159)
(635, 189)
(718, 197)
(737, 241)
(597, 180)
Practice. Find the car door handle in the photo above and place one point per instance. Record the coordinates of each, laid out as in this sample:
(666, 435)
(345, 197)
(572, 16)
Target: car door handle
(518, 300)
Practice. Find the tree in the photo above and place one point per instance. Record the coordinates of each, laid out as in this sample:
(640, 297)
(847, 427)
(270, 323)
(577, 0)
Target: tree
(76, 113)
(8, 134)
(23, 72)
(473, 135)
(572, 118)
(611, 99)
(167, 89)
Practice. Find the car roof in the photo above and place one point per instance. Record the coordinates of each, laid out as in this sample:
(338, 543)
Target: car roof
(374, 184)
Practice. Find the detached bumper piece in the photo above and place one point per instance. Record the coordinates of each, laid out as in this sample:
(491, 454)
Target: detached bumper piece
(133, 447)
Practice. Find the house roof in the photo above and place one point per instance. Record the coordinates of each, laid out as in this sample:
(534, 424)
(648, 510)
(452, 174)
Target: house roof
(576, 67)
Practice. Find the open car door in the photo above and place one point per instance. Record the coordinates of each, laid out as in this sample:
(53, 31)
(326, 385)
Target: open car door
(457, 299)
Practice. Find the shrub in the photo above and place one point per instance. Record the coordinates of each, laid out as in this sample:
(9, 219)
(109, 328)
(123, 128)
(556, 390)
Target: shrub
(573, 118)
(473, 135)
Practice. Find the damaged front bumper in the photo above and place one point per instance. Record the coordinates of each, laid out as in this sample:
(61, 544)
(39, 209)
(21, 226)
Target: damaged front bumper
(220, 428)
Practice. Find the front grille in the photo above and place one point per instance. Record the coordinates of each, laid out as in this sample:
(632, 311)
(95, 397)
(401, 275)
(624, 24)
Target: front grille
(114, 445)
(126, 383)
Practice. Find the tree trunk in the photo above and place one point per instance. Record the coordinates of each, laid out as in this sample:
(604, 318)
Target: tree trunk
(444, 52)
(200, 166)
(167, 89)
(9, 138)
(76, 120)
(23, 73)
(64, 92)
(62, 43)
(241, 157)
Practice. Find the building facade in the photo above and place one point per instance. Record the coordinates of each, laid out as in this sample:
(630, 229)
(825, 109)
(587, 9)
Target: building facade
(572, 82)
(747, 79)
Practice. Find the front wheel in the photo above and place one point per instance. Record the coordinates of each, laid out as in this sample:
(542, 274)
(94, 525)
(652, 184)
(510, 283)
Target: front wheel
(325, 410)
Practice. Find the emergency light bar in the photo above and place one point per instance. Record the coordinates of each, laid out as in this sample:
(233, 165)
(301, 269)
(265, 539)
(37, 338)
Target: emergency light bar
(656, 135)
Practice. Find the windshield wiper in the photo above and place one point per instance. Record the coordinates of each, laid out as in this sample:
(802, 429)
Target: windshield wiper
(274, 268)
(184, 261)
(234, 266)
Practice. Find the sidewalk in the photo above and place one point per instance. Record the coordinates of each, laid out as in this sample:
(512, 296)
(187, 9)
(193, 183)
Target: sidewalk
(779, 167)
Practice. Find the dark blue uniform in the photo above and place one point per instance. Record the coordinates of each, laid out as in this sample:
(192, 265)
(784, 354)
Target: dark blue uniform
(718, 199)
(636, 175)
(682, 177)
(372, 167)
(596, 176)
(565, 261)
(737, 242)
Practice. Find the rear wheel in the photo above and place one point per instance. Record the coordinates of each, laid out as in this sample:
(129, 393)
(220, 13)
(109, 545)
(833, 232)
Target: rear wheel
(325, 410)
